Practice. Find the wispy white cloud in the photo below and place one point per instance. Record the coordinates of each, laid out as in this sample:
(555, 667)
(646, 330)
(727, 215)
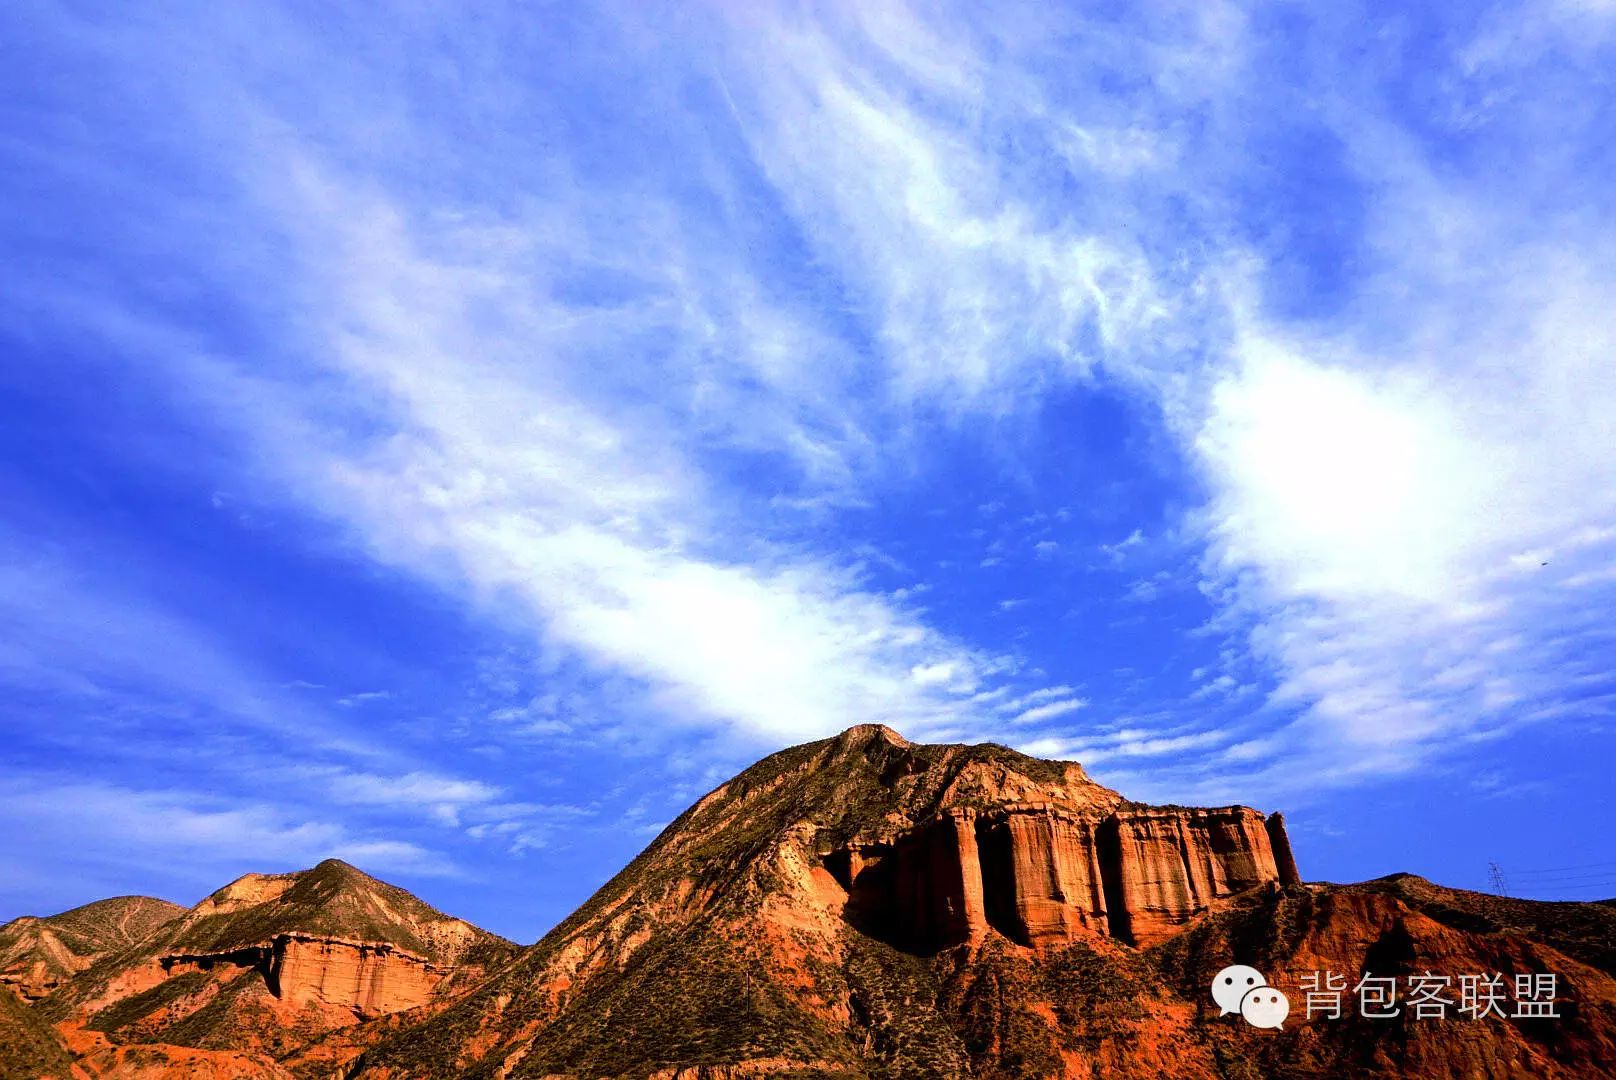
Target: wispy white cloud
(961, 272)
(350, 700)
(1038, 713)
(442, 798)
(78, 631)
(494, 472)
(1118, 551)
(107, 824)
(1121, 744)
(1370, 476)
(537, 401)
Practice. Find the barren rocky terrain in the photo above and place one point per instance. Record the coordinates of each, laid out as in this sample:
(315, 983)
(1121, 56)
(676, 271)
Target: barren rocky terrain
(855, 907)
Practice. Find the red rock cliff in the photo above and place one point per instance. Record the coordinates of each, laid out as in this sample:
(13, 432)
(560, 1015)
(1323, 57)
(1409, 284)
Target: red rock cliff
(1045, 869)
(1044, 875)
(366, 978)
(1167, 866)
(371, 979)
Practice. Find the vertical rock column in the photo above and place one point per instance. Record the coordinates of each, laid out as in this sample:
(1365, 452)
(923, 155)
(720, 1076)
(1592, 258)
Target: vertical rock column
(1152, 881)
(973, 916)
(1099, 901)
(1201, 865)
(936, 884)
(1236, 848)
(1280, 843)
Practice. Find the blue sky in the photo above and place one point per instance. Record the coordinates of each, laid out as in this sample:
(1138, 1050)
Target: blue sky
(456, 442)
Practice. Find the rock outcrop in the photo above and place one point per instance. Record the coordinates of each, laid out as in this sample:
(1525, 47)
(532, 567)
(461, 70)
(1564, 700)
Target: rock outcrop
(1044, 875)
(269, 962)
(368, 978)
(1170, 865)
(1284, 861)
(1042, 872)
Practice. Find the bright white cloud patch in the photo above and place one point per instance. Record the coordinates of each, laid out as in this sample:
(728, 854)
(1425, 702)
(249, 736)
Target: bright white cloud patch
(1342, 484)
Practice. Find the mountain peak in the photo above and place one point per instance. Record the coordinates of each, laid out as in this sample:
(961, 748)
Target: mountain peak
(37, 954)
(338, 867)
(857, 857)
(333, 877)
(269, 958)
(864, 734)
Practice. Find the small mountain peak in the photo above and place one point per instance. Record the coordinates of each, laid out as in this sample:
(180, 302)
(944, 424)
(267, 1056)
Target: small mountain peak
(865, 734)
(330, 943)
(336, 870)
(37, 954)
(334, 864)
(1402, 877)
(245, 891)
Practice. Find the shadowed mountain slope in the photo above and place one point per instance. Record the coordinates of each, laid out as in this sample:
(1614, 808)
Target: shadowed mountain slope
(30, 1049)
(38, 954)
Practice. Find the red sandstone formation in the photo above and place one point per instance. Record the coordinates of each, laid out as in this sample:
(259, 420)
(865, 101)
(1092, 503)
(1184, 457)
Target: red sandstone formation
(366, 978)
(1046, 870)
(268, 963)
(1041, 874)
(1048, 885)
(1172, 865)
(1281, 845)
(828, 857)
(372, 979)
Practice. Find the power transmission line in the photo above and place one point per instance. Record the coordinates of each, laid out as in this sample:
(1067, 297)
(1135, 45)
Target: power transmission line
(1563, 869)
(1611, 884)
(1535, 883)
